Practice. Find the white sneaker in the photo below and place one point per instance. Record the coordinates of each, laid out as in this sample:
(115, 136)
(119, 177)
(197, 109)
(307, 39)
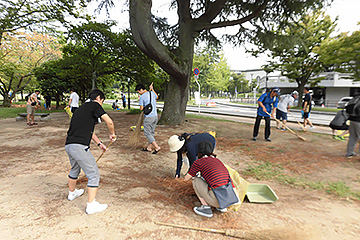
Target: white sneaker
(222, 210)
(76, 193)
(311, 127)
(95, 207)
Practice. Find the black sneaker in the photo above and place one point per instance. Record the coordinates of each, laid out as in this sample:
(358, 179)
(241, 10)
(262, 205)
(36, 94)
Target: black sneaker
(268, 139)
(351, 155)
(254, 138)
(204, 211)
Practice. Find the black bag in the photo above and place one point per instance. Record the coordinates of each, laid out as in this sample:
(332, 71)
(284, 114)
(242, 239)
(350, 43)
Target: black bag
(33, 103)
(225, 195)
(148, 108)
(353, 107)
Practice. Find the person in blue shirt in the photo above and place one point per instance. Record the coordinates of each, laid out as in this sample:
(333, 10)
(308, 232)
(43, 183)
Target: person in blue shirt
(267, 105)
(150, 119)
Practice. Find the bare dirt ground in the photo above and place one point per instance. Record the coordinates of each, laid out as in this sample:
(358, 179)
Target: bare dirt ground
(34, 168)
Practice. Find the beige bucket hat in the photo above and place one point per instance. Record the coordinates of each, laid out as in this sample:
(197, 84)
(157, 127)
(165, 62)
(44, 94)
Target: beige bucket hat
(175, 143)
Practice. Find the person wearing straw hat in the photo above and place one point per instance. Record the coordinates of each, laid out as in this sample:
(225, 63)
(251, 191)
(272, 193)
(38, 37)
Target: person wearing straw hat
(77, 146)
(213, 174)
(286, 101)
(151, 118)
(187, 145)
(266, 102)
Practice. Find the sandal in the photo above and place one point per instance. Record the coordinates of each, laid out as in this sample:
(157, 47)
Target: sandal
(145, 150)
(31, 124)
(156, 151)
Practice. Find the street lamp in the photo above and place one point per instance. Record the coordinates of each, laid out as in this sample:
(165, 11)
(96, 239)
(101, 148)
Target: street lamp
(241, 86)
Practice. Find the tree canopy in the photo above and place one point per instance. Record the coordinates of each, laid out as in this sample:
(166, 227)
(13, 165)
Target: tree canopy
(293, 50)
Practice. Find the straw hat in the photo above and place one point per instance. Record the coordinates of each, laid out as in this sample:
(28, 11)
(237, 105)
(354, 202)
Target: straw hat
(175, 143)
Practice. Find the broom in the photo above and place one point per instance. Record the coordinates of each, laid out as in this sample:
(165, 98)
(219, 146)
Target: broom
(302, 138)
(278, 234)
(298, 122)
(134, 139)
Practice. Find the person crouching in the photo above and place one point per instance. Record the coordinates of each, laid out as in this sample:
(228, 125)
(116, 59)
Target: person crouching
(214, 176)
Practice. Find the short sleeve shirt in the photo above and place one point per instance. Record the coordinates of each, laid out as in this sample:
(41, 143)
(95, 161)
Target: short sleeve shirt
(83, 122)
(75, 99)
(285, 101)
(268, 103)
(307, 98)
(145, 100)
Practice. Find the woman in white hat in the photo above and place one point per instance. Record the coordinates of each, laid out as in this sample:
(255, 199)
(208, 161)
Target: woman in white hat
(188, 144)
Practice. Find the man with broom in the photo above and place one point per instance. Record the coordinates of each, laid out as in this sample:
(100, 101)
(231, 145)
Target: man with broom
(148, 102)
(77, 146)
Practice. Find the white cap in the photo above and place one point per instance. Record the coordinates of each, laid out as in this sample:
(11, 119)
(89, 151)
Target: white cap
(175, 143)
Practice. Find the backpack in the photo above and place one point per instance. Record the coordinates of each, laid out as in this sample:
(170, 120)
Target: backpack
(353, 107)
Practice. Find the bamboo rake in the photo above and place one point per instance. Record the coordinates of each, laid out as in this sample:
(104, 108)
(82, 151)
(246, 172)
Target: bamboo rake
(302, 138)
(298, 122)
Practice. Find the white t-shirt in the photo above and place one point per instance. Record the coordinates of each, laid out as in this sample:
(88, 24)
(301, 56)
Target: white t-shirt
(285, 101)
(75, 99)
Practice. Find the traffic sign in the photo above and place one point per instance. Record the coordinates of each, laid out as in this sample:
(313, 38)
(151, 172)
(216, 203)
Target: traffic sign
(196, 71)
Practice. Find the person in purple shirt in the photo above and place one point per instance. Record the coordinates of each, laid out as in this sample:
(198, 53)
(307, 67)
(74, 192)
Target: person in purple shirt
(267, 105)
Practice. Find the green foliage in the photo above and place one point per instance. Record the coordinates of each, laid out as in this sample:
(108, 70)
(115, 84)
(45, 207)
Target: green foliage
(342, 54)
(293, 49)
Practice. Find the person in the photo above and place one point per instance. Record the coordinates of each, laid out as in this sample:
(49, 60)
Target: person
(74, 101)
(339, 122)
(115, 105)
(187, 144)
(47, 101)
(213, 174)
(286, 101)
(306, 108)
(123, 98)
(77, 146)
(266, 101)
(31, 103)
(353, 109)
(150, 119)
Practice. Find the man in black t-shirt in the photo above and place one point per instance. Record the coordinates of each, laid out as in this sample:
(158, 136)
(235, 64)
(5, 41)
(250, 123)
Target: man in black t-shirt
(77, 146)
(306, 108)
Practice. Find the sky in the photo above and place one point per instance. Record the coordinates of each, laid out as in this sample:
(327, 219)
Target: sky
(347, 12)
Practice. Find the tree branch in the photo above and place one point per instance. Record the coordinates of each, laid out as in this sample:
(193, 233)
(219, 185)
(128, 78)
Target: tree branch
(146, 39)
(201, 25)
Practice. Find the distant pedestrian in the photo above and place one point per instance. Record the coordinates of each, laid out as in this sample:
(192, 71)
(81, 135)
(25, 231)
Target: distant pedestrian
(267, 105)
(353, 109)
(339, 122)
(151, 118)
(47, 101)
(31, 103)
(285, 102)
(123, 98)
(306, 108)
(74, 101)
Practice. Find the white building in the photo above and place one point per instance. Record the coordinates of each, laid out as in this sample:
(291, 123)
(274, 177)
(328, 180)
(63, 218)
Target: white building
(331, 89)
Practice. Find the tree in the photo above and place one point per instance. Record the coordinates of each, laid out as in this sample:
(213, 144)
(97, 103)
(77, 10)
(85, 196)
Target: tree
(94, 52)
(20, 53)
(294, 50)
(172, 47)
(342, 54)
(23, 14)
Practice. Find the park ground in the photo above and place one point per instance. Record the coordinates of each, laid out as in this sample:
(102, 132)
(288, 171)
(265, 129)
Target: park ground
(318, 188)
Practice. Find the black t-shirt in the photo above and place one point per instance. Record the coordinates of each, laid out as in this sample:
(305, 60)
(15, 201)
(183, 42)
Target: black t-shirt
(307, 98)
(83, 123)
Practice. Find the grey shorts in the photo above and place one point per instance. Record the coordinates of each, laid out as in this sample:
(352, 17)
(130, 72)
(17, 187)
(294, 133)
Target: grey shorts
(30, 109)
(149, 128)
(81, 158)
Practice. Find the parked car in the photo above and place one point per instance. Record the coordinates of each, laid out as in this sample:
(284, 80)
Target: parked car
(343, 102)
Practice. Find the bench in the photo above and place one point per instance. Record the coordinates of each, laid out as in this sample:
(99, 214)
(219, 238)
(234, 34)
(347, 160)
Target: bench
(43, 116)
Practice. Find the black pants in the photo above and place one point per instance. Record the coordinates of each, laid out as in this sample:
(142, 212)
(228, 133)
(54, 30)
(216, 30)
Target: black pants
(257, 125)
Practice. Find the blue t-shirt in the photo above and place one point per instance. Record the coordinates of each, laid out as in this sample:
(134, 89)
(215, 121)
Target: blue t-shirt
(145, 100)
(268, 103)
